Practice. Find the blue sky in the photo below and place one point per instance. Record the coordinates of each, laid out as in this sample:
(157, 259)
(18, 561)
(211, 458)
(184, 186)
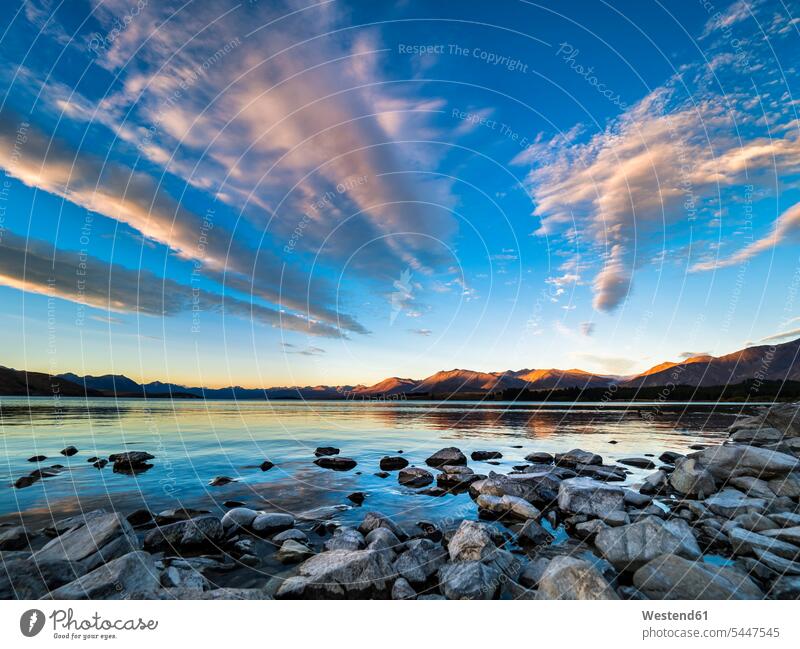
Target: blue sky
(273, 193)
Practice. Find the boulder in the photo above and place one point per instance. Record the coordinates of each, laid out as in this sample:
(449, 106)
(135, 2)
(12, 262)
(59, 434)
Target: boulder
(786, 486)
(447, 456)
(239, 517)
(757, 436)
(731, 503)
(629, 547)
(654, 483)
(578, 456)
(403, 590)
(753, 487)
(393, 463)
(269, 523)
(730, 461)
(341, 574)
(539, 458)
(414, 477)
(672, 577)
(24, 578)
(420, 561)
(755, 522)
(638, 462)
(539, 488)
(785, 519)
(670, 457)
(345, 538)
(375, 520)
(587, 496)
(292, 551)
(469, 580)
(118, 579)
(471, 542)
(691, 478)
(507, 506)
(481, 456)
(336, 463)
(80, 542)
(13, 538)
(294, 534)
(129, 459)
(746, 542)
(457, 478)
(140, 517)
(533, 534)
(569, 578)
(776, 563)
(184, 578)
(193, 534)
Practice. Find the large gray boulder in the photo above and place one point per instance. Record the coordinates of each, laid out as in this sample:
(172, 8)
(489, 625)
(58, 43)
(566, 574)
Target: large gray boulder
(508, 507)
(691, 478)
(421, 560)
(731, 503)
(745, 542)
(78, 543)
(345, 538)
(672, 577)
(374, 520)
(578, 456)
(587, 496)
(757, 436)
(728, 461)
(23, 578)
(471, 542)
(269, 523)
(571, 578)
(629, 547)
(193, 534)
(470, 580)
(119, 579)
(414, 477)
(540, 488)
(341, 574)
(239, 517)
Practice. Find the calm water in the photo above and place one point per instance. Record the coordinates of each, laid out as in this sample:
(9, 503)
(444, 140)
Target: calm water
(194, 441)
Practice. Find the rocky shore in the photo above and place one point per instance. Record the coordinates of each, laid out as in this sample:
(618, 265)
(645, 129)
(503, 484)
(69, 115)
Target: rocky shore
(720, 523)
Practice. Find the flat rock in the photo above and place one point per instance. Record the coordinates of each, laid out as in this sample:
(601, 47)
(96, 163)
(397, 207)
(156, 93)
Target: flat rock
(753, 487)
(78, 543)
(731, 503)
(746, 542)
(786, 486)
(23, 578)
(569, 578)
(341, 574)
(788, 534)
(414, 477)
(786, 588)
(672, 577)
(587, 496)
(728, 461)
(629, 547)
(336, 463)
(133, 573)
(195, 533)
(447, 456)
(638, 462)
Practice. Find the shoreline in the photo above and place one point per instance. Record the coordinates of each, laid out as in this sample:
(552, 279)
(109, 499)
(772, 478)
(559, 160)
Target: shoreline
(721, 522)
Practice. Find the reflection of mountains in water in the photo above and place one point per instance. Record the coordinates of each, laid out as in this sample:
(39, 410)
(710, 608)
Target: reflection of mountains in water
(761, 370)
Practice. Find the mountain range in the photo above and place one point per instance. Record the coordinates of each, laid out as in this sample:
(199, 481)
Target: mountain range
(776, 363)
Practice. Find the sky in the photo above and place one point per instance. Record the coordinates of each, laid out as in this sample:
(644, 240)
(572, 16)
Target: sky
(298, 193)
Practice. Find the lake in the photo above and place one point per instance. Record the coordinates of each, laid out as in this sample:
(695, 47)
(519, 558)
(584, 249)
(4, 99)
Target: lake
(194, 441)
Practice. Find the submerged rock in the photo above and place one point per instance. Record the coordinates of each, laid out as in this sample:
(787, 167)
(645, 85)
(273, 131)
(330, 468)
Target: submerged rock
(37, 458)
(220, 481)
(336, 463)
(266, 465)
